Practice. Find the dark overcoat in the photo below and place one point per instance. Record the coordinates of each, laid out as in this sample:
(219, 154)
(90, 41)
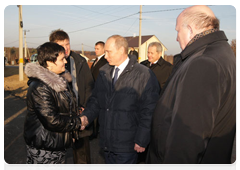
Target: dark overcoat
(84, 77)
(85, 84)
(125, 110)
(162, 69)
(195, 117)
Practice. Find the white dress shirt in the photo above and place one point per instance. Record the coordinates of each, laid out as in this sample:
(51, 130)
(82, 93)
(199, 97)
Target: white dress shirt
(121, 67)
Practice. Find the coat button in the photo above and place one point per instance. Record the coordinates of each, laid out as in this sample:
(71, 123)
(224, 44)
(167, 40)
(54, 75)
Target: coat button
(107, 110)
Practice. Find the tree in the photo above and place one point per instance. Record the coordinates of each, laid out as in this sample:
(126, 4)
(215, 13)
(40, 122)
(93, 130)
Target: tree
(233, 46)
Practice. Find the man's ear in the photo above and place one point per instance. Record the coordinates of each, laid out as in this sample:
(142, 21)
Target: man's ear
(122, 50)
(190, 28)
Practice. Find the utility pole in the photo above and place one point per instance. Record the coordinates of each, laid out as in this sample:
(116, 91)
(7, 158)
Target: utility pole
(20, 44)
(82, 49)
(140, 35)
(25, 44)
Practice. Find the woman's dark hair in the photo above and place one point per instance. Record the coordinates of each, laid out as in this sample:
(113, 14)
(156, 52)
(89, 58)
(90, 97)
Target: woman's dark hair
(48, 51)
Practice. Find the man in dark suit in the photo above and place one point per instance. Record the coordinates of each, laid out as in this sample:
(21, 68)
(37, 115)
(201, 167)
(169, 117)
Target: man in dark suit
(82, 85)
(124, 97)
(97, 64)
(100, 60)
(161, 68)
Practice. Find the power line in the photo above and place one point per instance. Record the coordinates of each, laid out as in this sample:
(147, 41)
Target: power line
(94, 11)
(130, 26)
(165, 10)
(94, 25)
(103, 23)
(11, 42)
(113, 20)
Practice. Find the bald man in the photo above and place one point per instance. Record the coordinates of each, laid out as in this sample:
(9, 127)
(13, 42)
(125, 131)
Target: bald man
(195, 117)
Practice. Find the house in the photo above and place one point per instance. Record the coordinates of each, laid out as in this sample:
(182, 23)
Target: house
(146, 40)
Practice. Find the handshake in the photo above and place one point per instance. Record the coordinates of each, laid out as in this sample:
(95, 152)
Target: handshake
(84, 121)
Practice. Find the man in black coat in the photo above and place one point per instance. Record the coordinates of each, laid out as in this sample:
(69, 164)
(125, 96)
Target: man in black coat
(82, 85)
(161, 68)
(124, 97)
(97, 64)
(195, 117)
(100, 60)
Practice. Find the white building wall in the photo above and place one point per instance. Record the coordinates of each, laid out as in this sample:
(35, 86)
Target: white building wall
(144, 48)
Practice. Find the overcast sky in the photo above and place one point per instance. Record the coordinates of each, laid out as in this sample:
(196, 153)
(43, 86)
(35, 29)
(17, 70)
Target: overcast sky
(87, 24)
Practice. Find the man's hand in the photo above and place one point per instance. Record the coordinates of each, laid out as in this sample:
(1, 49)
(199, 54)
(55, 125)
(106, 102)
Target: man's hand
(84, 121)
(138, 148)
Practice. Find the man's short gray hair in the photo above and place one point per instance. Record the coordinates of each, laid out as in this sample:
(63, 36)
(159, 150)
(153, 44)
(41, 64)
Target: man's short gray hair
(157, 45)
(120, 42)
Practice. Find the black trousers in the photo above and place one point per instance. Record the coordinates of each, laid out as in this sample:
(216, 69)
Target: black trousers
(120, 158)
(81, 154)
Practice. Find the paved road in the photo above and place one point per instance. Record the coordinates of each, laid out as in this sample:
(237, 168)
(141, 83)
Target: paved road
(14, 145)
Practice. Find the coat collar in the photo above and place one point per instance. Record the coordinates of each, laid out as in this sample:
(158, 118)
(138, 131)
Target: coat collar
(201, 42)
(160, 61)
(56, 82)
(107, 70)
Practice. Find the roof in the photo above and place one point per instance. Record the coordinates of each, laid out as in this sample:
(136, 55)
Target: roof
(133, 41)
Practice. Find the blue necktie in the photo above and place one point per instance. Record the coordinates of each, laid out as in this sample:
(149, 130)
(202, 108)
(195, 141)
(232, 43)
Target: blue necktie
(115, 75)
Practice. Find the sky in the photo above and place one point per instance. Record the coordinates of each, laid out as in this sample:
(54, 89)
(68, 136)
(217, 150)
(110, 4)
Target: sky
(87, 24)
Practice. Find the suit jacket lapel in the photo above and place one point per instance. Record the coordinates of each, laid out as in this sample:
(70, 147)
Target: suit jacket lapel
(100, 62)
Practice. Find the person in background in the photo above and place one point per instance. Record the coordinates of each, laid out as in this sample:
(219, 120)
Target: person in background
(5, 60)
(195, 118)
(97, 64)
(124, 97)
(161, 68)
(100, 60)
(52, 119)
(133, 52)
(82, 85)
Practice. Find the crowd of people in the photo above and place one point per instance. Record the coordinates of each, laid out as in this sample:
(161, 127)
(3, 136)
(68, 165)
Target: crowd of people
(151, 111)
